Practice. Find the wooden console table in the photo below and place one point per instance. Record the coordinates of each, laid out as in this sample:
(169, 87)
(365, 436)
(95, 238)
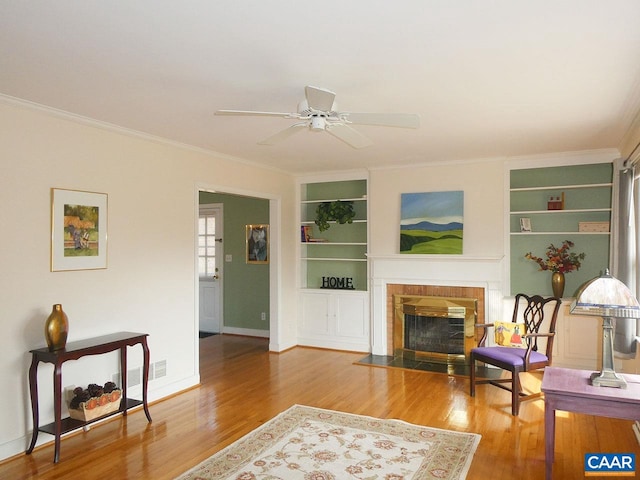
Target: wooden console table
(571, 390)
(74, 351)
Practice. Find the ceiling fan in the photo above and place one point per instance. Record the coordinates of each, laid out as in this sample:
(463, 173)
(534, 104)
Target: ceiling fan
(317, 112)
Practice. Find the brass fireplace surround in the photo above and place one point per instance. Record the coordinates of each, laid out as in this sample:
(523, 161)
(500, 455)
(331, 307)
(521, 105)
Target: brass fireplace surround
(434, 307)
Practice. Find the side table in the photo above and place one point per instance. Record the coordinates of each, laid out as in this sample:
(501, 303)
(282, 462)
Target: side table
(74, 351)
(571, 390)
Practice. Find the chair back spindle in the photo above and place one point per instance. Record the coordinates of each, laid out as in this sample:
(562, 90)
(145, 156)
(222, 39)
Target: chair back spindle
(533, 316)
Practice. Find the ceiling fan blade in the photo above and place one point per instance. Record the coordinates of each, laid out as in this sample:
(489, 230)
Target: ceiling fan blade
(283, 134)
(348, 135)
(252, 113)
(319, 98)
(401, 120)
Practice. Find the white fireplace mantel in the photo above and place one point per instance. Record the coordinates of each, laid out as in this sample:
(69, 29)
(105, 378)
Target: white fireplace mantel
(446, 270)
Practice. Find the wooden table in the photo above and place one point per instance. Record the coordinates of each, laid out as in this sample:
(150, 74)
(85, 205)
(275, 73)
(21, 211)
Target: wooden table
(571, 390)
(74, 351)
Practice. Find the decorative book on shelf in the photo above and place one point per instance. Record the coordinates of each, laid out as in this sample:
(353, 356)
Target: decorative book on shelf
(305, 233)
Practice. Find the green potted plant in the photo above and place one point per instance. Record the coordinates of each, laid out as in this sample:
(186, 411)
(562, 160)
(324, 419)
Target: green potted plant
(337, 211)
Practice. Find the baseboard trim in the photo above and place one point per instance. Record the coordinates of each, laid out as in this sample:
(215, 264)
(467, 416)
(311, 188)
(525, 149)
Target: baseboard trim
(247, 332)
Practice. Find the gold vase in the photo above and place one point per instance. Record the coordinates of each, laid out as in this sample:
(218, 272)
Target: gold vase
(56, 328)
(557, 284)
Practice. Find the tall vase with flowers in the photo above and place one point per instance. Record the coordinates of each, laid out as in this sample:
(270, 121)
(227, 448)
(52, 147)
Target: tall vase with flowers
(560, 261)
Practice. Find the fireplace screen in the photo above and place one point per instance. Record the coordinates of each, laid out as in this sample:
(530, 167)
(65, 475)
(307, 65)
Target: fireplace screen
(438, 329)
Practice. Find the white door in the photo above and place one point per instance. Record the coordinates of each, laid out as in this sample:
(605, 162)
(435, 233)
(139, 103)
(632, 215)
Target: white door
(210, 253)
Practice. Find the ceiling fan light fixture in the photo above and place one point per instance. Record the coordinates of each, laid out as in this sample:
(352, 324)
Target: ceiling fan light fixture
(317, 124)
(318, 112)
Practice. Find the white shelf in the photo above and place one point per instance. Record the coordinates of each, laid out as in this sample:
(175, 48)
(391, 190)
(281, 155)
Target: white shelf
(333, 243)
(333, 222)
(581, 210)
(359, 199)
(561, 187)
(560, 233)
(324, 291)
(329, 259)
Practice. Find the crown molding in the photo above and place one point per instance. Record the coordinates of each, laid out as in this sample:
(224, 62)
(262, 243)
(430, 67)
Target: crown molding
(111, 127)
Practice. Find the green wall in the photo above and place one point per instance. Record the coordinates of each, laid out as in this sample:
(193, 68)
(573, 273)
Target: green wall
(246, 286)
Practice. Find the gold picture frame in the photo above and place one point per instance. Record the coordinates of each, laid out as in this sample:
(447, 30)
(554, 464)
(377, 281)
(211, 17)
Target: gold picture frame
(257, 243)
(78, 230)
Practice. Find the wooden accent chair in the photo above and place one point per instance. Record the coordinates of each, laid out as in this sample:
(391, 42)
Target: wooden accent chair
(515, 359)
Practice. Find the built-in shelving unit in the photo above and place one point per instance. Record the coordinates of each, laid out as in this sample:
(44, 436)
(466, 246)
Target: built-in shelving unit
(334, 317)
(586, 193)
(341, 250)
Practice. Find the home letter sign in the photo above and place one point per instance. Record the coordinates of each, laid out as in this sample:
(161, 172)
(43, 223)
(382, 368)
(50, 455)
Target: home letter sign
(338, 283)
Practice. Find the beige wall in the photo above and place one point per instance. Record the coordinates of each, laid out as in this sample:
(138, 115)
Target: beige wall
(149, 285)
(483, 186)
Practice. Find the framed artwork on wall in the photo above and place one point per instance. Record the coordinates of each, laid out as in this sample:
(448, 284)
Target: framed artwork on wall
(431, 222)
(257, 243)
(78, 230)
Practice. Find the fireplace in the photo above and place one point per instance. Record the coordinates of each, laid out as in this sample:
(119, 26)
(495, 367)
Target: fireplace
(392, 290)
(460, 276)
(437, 329)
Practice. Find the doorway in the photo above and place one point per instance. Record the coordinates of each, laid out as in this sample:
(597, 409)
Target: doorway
(210, 268)
(249, 292)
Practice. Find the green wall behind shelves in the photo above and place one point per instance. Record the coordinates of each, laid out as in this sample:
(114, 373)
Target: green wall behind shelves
(348, 232)
(574, 198)
(327, 250)
(567, 222)
(565, 175)
(334, 190)
(318, 269)
(526, 276)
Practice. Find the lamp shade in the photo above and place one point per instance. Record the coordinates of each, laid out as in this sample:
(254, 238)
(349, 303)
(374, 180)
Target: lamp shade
(606, 296)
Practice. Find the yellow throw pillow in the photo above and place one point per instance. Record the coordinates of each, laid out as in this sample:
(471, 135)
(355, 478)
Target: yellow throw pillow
(508, 334)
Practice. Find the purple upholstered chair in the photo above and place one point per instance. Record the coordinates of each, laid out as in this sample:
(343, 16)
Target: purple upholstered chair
(518, 360)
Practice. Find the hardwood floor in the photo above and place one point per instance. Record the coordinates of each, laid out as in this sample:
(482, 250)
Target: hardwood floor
(243, 385)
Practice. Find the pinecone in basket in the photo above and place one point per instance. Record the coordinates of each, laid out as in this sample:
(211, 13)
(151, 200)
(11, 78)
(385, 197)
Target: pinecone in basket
(95, 391)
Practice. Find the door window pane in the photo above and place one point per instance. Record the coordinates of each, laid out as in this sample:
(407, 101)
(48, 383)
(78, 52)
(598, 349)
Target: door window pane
(206, 246)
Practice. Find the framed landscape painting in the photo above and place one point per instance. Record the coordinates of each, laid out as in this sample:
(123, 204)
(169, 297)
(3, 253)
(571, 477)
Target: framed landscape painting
(78, 230)
(431, 222)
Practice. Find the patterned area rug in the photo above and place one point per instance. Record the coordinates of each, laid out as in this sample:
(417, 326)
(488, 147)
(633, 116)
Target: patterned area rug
(309, 443)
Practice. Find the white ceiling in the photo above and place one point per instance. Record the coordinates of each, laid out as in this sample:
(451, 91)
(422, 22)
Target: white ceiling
(487, 78)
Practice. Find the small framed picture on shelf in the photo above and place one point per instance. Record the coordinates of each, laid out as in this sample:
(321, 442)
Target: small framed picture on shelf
(525, 224)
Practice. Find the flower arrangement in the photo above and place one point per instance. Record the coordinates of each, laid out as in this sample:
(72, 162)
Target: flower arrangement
(559, 259)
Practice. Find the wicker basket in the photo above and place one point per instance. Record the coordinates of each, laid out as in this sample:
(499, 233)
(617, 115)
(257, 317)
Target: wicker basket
(107, 403)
